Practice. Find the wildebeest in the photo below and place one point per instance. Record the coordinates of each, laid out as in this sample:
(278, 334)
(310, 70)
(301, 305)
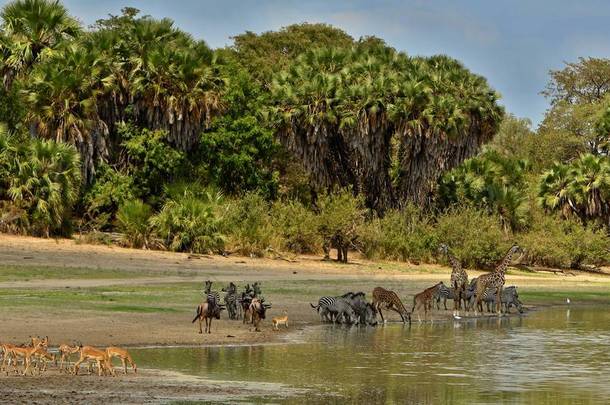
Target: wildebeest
(258, 310)
(206, 311)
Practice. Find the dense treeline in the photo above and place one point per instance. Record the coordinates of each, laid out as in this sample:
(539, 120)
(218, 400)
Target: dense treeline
(298, 140)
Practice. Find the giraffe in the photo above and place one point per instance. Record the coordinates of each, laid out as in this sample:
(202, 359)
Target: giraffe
(495, 279)
(459, 280)
(389, 300)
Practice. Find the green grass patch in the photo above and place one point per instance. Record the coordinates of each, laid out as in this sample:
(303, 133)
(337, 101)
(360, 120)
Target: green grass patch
(27, 273)
(559, 296)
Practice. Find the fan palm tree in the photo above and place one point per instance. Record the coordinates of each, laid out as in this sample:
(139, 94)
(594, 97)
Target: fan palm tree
(343, 111)
(46, 184)
(31, 27)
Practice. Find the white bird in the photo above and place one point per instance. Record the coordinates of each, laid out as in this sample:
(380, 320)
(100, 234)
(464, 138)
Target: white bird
(568, 301)
(456, 317)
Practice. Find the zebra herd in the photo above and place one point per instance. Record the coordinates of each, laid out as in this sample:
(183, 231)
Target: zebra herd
(510, 297)
(350, 308)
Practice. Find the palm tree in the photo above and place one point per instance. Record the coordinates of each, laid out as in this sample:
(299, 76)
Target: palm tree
(581, 188)
(46, 184)
(342, 111)
(62, 95)
(31, 27)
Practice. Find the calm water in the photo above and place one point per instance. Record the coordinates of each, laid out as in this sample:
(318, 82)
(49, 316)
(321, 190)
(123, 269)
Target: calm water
(554, 355)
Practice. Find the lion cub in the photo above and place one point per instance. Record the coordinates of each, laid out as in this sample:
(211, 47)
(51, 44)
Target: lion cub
(280, 320)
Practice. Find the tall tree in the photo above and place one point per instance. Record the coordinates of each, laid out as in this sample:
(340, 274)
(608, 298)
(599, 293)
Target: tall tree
(29, 28)
(347, 112)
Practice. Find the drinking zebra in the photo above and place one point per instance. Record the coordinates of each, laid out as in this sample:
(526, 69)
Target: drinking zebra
(332, 309)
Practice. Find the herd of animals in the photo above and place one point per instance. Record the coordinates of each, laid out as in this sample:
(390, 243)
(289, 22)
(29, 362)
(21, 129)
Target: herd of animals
(35, 355)
(354, 309)
(250, 306)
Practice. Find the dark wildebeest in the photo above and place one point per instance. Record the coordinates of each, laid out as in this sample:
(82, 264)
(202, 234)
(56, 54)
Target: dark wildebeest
(207, 311)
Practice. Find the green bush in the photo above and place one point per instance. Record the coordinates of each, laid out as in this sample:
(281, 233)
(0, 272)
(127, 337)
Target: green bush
(404, 235)
(554, 242)
(297, 226)
(248, 226)
(103, 198)
(133, 220)
(474, 236)
(190, 223)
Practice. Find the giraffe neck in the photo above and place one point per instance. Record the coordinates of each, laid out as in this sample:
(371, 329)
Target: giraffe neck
(501, 269)
(454, 262)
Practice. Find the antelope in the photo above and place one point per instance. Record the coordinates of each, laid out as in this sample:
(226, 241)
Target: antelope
(280, 320)
(123, 355)
(64, 353)
(26, 353)
(6, 355)
(93, 354)
(42, 357)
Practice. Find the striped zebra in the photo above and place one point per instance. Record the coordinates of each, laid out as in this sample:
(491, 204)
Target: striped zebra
(443, 293)
(510, 298)
(231, 301)
(211, 295)
(324, 303)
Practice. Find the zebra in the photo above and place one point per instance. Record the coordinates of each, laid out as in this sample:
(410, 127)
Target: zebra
(510, 297)
(230, 300)
(207, 292)
(327, 302)
(443, 292)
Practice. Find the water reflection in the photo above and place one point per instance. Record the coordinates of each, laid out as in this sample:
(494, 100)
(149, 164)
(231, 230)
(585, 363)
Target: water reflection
(550, 356)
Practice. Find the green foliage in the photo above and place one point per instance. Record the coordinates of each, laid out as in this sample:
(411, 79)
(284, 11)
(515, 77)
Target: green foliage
(342, 111)
(491, 182)
(404, 235)
(474, 236)
(298, 227)
(133, 219)
(46, 184)
(271, 51)
(248, 224)
(238, 157)
(190, 223)
(103, 198)
(340, 217)
(581, 189)
(150, 161)
(561, 243)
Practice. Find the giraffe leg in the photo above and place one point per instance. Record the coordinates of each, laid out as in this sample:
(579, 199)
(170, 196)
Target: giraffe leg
(499, 301)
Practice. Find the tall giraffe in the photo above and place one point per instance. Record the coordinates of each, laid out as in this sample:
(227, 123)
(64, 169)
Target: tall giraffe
(495, 279)
(459, 280)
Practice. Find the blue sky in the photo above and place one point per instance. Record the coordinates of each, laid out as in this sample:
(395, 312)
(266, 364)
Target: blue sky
(512, 43)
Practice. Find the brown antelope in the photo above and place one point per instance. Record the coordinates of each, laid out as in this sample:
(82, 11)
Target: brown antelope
(6, 355)
(89, 353)
(35, 340)
(123, 355)
(280, 320)
(26, 353)
(64, 354)
(42, 358)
